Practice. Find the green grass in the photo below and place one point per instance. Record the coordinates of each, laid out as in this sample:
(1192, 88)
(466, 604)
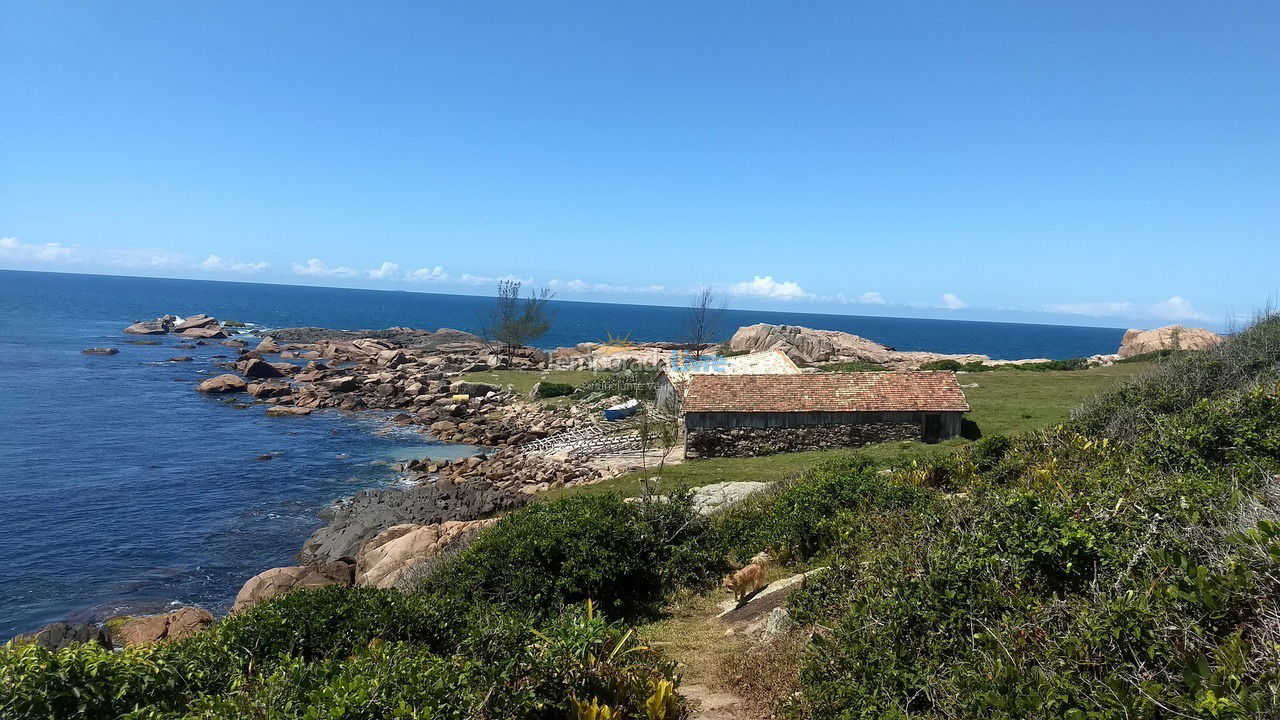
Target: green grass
(1008, 401)
(522, 381)
(1005, 401)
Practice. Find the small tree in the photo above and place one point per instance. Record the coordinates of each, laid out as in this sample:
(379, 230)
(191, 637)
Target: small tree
(703, 320)
(657, 428)
(517, 322)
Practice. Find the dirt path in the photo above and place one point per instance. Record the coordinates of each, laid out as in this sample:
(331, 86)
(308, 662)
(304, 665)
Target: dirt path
(704, 632)
(709, 704)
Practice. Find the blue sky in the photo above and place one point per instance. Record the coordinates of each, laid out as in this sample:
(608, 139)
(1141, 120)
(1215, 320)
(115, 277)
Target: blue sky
(1082, 163)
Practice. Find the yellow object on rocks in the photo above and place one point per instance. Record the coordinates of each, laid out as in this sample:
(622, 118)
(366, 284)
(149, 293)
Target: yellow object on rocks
(461, 398)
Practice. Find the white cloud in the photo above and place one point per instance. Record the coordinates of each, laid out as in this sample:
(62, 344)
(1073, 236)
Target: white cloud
(768, 287)
(13, 249)
(386, 271)
(871, 298)
(1093, 309)
(1175, 308)
(949, 301)
(429, 274)
(213, 263)
(315, 268)
(579, 285)
(469, 279)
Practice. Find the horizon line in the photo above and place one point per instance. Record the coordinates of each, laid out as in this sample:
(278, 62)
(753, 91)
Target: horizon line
(560, 300)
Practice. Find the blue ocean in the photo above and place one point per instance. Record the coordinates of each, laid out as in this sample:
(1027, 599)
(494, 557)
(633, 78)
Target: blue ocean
(123, 490)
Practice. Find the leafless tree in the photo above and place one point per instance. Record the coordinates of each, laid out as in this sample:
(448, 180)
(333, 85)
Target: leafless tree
(515, 322)
(703, 320)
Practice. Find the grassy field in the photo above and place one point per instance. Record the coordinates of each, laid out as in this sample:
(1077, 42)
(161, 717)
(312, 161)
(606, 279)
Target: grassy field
(522, 381)
(1008, 401)
(1004, 401)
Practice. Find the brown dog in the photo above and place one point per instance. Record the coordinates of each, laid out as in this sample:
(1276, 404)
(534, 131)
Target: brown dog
(745, 581)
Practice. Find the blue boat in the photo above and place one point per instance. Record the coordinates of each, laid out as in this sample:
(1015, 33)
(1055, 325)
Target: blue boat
(622, 411)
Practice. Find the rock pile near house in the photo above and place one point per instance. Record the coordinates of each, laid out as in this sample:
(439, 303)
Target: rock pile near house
(511, 469)
(1140, 342)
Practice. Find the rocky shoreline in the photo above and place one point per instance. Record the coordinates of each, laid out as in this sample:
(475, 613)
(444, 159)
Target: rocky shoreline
(379, 538)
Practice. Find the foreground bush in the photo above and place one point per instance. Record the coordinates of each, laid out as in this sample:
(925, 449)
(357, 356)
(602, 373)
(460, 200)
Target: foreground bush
(1071, 577)
(836, 503)
(336, 621)
(506, 668)
(626, 557)
(254, 665)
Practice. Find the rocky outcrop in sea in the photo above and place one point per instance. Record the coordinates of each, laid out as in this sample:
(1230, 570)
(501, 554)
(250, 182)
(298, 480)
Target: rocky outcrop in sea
(1141, 342)
(352, 523)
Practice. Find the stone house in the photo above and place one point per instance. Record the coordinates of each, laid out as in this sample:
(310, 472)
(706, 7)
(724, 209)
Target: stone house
(746, 415)
(674, 380)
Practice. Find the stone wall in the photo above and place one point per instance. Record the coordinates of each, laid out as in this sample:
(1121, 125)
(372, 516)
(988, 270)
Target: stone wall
(749, 442)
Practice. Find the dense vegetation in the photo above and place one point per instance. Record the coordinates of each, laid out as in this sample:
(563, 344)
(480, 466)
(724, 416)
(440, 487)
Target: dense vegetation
(1123, 565)
(509, 628)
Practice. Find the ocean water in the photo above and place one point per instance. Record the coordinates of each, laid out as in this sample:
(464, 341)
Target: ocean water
(123, 490)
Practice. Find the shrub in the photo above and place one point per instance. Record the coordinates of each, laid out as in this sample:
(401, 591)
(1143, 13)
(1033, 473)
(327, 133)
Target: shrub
(551, 390)
(624, 556)
(989, 451)
(335, 621)
(89, 681)
(833, 503)
(1183, 379)
(943, 364)
(496, 665)
(505, 668)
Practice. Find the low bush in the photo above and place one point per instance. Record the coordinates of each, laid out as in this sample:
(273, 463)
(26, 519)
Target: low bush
(89, 681)
(336, 621)
(835, 503)
(350, 661)
(624, 556)
(505, 668)
(552, 390)
(1250, 357)
(944, 364)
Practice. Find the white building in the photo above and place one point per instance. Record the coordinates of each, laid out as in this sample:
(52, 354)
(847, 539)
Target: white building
(674, 380)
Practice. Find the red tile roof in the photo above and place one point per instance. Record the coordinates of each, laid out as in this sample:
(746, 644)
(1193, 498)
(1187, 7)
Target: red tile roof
(826, 392)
